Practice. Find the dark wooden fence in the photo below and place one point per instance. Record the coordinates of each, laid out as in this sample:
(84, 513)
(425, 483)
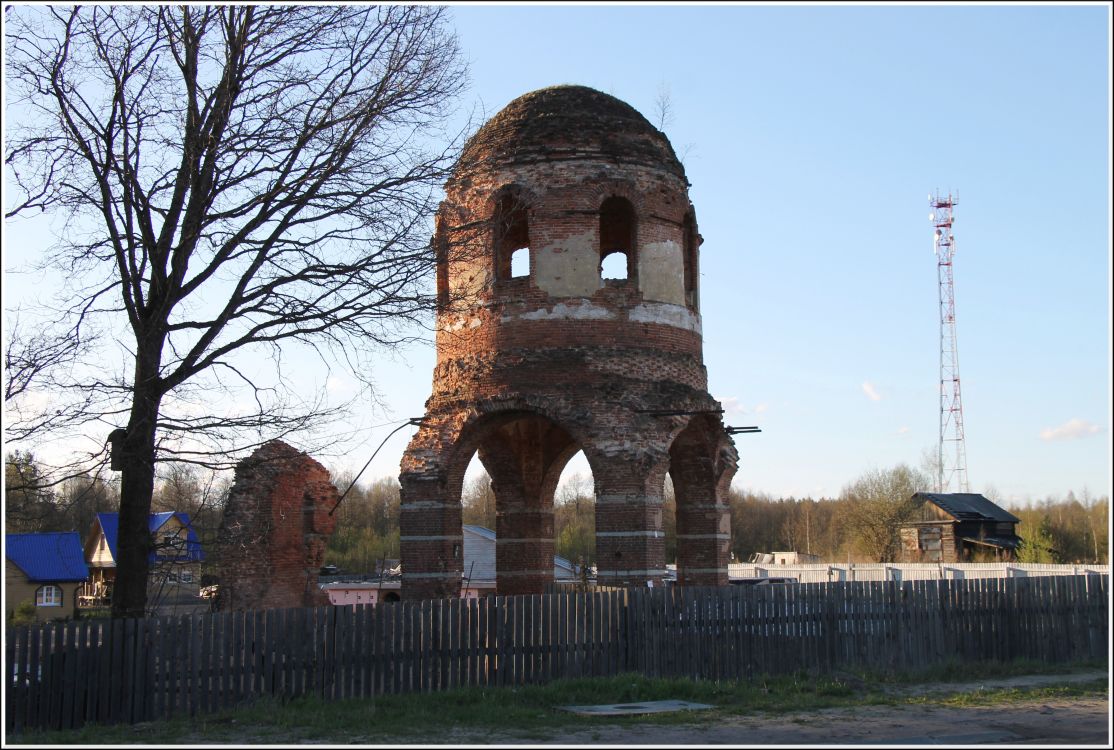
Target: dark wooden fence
(68, 674)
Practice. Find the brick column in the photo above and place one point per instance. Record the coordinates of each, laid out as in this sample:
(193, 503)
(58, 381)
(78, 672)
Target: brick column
(431, 542)
(521, 459)
(702, 463)
(703, 537)
(630, 542)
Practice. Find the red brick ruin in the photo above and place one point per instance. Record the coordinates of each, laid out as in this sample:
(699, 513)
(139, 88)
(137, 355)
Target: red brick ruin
(274, 531)
(540, 355)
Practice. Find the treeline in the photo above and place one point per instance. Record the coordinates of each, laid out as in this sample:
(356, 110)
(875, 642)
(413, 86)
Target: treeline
(860, 525)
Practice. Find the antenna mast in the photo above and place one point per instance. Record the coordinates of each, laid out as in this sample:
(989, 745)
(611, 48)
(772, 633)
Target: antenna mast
(952, 458)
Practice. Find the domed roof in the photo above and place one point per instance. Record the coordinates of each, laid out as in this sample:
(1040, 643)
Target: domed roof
(569, 122)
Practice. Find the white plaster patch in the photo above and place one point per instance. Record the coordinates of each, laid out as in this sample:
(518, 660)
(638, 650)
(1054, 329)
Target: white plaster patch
(463, 322)
(562, 311)
(667, 315)
(661, 272)
(569, 268)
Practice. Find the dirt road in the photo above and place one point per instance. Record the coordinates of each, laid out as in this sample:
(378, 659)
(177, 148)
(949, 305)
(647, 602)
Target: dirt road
(1073, 722)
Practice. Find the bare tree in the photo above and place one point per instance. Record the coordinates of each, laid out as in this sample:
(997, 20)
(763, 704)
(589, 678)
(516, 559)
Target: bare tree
(236, 180)
(478, 502)
(663, 107)
(878, 503)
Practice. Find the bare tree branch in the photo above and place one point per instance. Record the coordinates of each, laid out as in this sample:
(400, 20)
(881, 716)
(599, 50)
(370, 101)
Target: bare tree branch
(235, 180)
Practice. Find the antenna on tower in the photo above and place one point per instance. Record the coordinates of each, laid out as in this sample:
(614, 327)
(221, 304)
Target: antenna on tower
(952, 457)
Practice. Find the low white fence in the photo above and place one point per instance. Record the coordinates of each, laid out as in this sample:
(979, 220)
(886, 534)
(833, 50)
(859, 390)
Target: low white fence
(824, 572)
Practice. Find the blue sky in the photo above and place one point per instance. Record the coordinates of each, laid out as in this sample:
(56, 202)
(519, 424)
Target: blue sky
(812, 136)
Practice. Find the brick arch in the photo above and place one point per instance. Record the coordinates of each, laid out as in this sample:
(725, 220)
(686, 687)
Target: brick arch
(600, 190)
(702, 462)
(524, 445)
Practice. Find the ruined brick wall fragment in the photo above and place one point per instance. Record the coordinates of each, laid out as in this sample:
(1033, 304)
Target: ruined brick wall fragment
(274, 531)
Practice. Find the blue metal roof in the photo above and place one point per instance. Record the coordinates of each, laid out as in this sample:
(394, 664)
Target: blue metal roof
(487, 533)
(110, 525)
(481, 530)
(50, 556)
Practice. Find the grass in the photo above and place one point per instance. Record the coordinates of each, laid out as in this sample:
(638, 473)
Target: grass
(470, 715)
(996, 697)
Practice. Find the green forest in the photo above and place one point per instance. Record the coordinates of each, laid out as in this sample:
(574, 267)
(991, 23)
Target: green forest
(860, 525)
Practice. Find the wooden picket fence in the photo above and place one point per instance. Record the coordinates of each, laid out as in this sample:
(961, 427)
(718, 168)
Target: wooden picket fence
(65, 675)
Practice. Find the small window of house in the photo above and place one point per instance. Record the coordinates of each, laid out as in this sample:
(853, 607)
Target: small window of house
(171, 541)
(172, 577)
(617, 238)
(48, 596)
(511, 233)
(186, 576)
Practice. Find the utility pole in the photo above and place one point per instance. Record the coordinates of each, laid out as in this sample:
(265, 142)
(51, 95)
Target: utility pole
(952, 456)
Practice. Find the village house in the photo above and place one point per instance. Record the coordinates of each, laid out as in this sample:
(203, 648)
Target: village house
(174, 577)
(478, 578)
(959, 527)
(46, 569)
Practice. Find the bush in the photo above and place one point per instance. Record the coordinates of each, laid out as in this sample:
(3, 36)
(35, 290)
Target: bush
(24, 614)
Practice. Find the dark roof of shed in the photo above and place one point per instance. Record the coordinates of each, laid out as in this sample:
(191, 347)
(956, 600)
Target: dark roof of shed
(50, 556)
(968, 506)
(569, 122)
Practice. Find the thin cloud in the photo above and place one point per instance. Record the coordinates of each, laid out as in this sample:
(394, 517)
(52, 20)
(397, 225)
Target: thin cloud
(339, 385)
(731, 405)
(903, 430)
(869, 390)
(1071, 430)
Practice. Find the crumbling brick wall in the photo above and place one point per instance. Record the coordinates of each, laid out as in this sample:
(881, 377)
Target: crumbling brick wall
(274, 531)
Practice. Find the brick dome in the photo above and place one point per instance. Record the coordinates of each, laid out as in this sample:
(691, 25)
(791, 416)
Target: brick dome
(569, 121)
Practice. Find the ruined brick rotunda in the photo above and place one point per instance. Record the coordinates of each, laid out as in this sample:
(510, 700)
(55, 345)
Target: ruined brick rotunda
(541, 354)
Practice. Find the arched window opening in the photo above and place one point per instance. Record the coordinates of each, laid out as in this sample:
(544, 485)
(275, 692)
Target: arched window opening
(441, 257)
(48, 596)
(512, 235)
(574, 515)
(689, 252)
(617, 239)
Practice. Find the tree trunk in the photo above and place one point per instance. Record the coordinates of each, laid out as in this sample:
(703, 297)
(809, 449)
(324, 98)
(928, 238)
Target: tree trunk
(137, 484)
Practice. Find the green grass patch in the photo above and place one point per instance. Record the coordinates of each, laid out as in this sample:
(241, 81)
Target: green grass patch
(469, 716)
(1002, 696)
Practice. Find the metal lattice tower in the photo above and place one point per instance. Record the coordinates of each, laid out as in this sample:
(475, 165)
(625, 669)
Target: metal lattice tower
(952, 458)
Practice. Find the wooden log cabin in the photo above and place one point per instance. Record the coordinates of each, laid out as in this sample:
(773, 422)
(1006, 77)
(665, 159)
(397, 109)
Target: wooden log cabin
(959, 527)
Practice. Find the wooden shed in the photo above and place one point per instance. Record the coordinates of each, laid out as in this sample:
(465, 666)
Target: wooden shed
(959, 527)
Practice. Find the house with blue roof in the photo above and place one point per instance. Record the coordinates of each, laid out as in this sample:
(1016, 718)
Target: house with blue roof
(174, 576)
(47, 569)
